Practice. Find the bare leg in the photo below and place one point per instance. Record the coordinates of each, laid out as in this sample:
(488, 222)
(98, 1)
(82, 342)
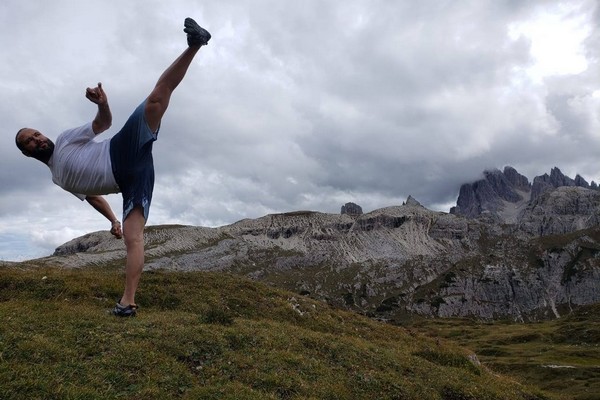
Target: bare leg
(133, 226)
(133, 232)
(156, 105)
(158, 101)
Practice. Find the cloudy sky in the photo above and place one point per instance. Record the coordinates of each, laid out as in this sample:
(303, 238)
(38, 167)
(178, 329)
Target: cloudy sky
(299, 105)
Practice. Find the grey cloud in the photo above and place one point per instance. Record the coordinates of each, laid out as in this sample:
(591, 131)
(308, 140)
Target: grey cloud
(295, 106)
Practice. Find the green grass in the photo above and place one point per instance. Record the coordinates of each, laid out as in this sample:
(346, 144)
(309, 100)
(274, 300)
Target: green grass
(215, 336)
(560, 356)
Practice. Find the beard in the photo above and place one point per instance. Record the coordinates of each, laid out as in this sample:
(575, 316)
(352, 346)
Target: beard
(43, 153)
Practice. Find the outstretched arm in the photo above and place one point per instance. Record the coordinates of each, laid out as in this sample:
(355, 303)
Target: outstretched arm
(103, 119)
(102, 206)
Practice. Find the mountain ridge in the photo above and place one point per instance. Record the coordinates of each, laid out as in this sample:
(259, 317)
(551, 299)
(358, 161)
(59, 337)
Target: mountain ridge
(497, 188)
(519, 258)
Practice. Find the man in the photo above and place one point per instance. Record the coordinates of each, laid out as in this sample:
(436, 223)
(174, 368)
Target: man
(90, 169)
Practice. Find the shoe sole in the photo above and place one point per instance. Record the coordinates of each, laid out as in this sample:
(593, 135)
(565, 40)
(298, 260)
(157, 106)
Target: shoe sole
(197, 35)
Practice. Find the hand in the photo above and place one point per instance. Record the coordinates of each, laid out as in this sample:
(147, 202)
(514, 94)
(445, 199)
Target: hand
(116, 230)
(96, 95)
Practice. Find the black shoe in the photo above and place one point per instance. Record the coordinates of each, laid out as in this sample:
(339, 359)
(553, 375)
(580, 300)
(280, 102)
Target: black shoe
(196, 35)
(124, 311)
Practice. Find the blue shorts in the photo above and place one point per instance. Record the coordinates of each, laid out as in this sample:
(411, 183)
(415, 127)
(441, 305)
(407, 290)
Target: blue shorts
(132, 163)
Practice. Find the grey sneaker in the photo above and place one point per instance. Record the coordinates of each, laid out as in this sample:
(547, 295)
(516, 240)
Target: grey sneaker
(196, 35)
(124, 311)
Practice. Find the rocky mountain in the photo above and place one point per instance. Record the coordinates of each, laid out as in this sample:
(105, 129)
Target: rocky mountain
(504, 195)
(502, 252)
(499, 194)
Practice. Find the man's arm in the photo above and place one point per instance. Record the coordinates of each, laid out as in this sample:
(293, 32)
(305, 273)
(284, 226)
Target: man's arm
(103, 119)
(103, 208)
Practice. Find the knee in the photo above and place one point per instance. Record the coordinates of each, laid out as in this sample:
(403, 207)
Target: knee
(154, 107)
(133, 228)
(154, 110)
(158, 99)
(133, 239)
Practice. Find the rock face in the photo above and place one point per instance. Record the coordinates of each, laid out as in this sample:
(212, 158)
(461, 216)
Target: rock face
(562, 210)
(351, 209)
(411, 201)
(504, 196)
(545, 183)
(493, 194)
(500, 254)
(516, 180)
(548, 280)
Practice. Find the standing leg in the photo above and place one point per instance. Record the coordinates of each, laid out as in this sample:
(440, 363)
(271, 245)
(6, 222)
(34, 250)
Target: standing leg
(133, 232)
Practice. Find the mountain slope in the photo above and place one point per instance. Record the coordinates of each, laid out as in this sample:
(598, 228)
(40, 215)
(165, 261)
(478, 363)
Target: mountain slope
(205, 335)
(547, 354)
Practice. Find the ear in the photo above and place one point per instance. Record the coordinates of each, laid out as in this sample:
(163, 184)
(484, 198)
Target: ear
(25, 153)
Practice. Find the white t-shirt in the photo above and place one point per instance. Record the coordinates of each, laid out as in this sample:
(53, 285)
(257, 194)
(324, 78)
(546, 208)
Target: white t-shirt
(81, 165)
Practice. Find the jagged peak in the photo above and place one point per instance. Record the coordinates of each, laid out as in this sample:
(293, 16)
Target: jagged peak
(519, 181)
(411, 201)
(581, 182)
(490, 194)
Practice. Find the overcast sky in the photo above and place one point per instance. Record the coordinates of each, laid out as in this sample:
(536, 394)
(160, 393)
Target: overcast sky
(299, 105)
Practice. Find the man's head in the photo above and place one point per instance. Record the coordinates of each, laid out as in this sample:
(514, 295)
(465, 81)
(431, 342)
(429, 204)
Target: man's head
(33, 144)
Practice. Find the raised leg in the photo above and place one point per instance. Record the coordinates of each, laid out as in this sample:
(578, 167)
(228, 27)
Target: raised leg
(158, 101)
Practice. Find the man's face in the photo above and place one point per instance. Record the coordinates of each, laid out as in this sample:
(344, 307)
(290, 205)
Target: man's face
(35, 144)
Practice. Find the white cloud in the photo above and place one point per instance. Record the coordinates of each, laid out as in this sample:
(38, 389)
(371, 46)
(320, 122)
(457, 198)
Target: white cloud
(556, 34)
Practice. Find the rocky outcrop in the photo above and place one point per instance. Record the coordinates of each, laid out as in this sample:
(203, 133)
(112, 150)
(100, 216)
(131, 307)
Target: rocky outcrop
(545, 183)
(560, 211)
(516, 180)
(580, 182)
(351, 209)
(492, 193)
(548, 281)
(508, 196)
(411, 201)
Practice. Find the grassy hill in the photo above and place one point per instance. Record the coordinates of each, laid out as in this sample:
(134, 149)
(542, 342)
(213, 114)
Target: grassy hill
(215, 336)
(561, 355)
